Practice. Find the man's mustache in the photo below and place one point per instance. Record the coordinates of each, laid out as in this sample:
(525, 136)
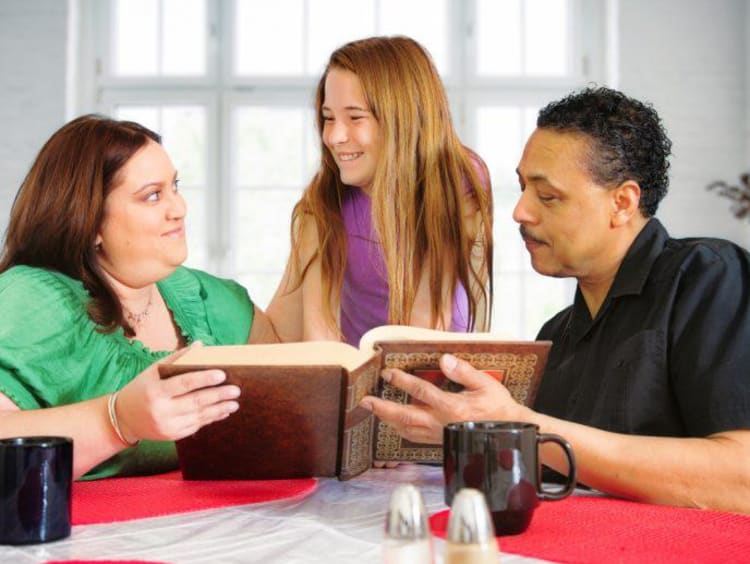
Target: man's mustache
(526, 236)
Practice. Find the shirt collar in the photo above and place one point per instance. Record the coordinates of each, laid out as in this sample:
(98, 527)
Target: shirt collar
(630, 277)
(636, 266)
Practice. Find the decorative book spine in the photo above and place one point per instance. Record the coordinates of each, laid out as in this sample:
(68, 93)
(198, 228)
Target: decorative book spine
(356, 452)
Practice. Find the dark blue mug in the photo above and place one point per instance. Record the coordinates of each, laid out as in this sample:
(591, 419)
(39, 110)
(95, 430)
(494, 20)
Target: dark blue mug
(36, 474)
(501, 459)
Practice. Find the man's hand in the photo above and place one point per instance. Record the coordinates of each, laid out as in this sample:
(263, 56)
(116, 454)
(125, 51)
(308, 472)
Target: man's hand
(483, 399)
(707, 472)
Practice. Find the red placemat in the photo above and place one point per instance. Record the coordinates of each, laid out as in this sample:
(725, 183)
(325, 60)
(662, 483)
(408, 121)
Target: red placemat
(123, 499)
(596, 529)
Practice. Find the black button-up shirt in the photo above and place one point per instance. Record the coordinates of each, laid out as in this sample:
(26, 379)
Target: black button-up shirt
(668, 353)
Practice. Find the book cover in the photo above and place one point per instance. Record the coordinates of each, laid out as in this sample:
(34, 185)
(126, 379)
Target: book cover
(299, 414)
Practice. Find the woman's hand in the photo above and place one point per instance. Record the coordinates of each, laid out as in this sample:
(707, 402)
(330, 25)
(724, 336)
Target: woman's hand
(173, 408)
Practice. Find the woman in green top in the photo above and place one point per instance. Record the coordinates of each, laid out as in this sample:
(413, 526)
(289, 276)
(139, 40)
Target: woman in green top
(93, 294)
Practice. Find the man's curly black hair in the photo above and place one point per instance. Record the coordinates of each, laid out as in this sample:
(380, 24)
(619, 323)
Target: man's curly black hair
(629, 140)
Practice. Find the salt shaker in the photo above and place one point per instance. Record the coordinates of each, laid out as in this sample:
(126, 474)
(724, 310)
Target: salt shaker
(407, 534)
(471, 536)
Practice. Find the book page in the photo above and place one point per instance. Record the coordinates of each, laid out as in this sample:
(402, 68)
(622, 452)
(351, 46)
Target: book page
(287, 354)
(406, 333)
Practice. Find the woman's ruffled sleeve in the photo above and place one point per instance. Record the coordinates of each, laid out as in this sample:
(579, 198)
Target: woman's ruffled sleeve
(214, 310)
(229, 309)
(39, 314)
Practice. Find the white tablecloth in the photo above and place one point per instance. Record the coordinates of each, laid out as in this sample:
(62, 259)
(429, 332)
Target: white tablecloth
(341, 522)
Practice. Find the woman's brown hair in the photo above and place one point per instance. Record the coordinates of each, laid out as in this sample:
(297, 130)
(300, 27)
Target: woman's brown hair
(59, 208)
(419, 191)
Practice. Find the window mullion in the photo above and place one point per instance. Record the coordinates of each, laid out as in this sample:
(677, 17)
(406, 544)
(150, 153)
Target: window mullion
(222, 227)
(305, 34)
(160, 39)
(523, 23)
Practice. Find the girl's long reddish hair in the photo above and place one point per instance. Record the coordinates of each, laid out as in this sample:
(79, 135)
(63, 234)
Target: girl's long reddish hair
(419, 191)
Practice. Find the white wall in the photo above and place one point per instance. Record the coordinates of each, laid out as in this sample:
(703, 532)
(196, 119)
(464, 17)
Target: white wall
(689, 58)
(32, 86)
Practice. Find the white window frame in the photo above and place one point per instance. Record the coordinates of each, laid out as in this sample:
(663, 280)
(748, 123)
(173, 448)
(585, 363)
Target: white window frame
(220, 91)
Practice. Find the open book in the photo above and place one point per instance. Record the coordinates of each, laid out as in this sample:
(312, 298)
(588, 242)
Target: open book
(299, 414)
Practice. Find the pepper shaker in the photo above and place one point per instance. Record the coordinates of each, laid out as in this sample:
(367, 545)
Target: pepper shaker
(407, 533)
(471, 536)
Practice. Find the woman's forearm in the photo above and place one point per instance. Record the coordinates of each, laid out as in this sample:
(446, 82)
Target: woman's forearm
(87, 423)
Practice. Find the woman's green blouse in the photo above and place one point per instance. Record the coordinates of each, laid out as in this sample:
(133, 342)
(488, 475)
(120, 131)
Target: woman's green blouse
(51, 353)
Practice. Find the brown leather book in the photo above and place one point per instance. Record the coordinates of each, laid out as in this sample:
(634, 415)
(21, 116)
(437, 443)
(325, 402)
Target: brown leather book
(299, 414)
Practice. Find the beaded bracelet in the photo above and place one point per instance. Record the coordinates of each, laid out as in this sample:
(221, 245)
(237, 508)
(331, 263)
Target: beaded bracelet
(112, 409)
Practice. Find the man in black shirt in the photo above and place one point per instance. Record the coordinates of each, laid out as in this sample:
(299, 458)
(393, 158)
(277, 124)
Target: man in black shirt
(649, 373)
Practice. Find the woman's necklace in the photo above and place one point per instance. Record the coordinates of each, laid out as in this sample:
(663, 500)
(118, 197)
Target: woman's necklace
(135, 319)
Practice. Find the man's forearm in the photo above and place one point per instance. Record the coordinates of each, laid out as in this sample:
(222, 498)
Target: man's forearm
(710, 473)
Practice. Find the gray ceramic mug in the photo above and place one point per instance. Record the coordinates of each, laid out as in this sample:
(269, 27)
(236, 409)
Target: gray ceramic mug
(501, 459)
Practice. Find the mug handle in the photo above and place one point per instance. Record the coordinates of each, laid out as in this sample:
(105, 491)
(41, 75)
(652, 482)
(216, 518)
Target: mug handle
(571, 483)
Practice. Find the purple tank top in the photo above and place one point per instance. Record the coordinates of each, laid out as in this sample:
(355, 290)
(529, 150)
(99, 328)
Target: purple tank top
(364, 293)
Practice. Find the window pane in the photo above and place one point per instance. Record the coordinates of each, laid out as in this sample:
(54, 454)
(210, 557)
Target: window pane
(422, 20)
(523, 298)
(184, 37)
(331, 23)
(546, 37)
(262, 238)
(544, 296)
(506, 310)
(195, 223)
(312, 147)
(135, 38)
(498, 37)
(523, 301)
(260, 286)
(277, 153)
(184, 132)
(159, 37)
(502, 132)
(512, 255)
(499, 141)
(147, 116)
(523, 37)
(184, 136)
(268, 37)
(529, 122)
(270, 144)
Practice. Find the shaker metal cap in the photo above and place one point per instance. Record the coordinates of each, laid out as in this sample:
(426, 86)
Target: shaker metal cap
(469, 521)
(407, 516)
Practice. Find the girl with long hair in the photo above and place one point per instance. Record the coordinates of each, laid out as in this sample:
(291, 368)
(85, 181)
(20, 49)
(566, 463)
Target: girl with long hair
(396, 226)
